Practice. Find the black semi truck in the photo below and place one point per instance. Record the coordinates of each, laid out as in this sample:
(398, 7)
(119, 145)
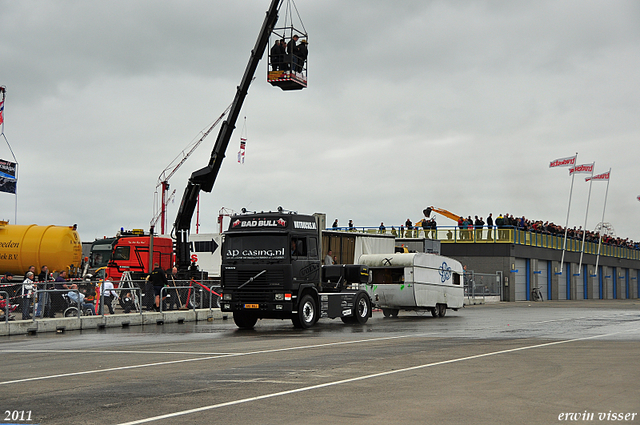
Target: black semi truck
(271, 269)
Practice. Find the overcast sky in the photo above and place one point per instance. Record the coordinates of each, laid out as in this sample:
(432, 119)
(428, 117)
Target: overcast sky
(457, 104)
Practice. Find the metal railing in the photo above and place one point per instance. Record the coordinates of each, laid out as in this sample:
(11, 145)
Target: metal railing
(496, 235)
(5, 295)
(481, 285)
(191, 294)
(137, 297)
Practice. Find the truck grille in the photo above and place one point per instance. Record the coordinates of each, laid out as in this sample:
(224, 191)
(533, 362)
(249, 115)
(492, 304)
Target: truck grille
(260, 290)
(272, 279)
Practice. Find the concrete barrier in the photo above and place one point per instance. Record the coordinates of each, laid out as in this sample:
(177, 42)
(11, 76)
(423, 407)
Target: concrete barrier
(63, 324)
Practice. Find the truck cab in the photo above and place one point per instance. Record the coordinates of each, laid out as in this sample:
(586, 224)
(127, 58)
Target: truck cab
(130, 253)
(271, 269)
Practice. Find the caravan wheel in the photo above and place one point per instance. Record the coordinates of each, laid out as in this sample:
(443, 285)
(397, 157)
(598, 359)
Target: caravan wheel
(435, 311)
(443, 310)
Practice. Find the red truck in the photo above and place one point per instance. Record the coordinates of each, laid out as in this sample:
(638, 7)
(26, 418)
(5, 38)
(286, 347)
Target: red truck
(130, 253)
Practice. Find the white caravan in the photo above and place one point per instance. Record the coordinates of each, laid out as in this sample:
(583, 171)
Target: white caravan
(414, 281)
(206, 248)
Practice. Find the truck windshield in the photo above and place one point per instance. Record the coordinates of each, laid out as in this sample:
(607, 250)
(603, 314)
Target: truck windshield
(255, 247)
(100, 256)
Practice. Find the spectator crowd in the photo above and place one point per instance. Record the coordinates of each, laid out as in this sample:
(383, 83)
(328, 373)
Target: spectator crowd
(473, 227)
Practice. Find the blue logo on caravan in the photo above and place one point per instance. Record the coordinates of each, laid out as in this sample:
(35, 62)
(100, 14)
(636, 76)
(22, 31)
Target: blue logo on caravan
(445, 272)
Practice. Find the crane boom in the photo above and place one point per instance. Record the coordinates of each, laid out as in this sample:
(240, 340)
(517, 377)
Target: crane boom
(448, 214)
(204, 178)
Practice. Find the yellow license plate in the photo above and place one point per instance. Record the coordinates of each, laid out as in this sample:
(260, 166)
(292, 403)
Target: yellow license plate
(251, 306)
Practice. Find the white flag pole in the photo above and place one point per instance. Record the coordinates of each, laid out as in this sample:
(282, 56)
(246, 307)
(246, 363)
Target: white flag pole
(584, 229)
(3, 90)
(602, 222)
(566, 226)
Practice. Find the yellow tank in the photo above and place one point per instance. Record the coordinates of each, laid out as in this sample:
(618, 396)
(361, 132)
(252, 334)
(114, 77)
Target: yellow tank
(57, 247)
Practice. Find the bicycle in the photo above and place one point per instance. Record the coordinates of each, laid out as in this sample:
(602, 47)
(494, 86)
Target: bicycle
(536, 294)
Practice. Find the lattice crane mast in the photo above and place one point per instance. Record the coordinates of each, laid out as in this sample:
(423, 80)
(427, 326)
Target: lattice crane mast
(172, 168)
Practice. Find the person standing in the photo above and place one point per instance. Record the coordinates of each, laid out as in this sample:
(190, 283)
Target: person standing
(292, 49)
(57, 301)
(107, 292)
(479, 223)
(159, 281)
(277, 55)
(44, 308)
(335, 224)
(174, 294)
(489, 227)
(328, 259)
(302, 54)
(27, 294)
(425, 226)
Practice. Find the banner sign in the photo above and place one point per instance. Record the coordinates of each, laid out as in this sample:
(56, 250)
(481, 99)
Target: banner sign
(7, 176)
(564, 162)
(603, 176)
(584, 168)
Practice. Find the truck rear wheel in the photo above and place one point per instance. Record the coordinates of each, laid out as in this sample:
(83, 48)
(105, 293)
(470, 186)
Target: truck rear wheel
(244, 321)
(307, 314)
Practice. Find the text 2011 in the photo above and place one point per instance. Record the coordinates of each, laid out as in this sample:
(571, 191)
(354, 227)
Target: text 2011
(17, 415)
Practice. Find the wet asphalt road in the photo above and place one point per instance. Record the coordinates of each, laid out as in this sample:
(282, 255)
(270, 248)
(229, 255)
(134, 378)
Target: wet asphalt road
(506, 363)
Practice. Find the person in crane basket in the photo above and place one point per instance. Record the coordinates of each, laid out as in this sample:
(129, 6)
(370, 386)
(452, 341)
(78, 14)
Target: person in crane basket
(277, 55)
(292, 51)
(301, 55)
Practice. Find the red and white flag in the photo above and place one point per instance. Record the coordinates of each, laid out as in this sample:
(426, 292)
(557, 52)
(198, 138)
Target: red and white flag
(243, 146)
(583, 168)
(564, 162)
(1, 111)
(603, 176)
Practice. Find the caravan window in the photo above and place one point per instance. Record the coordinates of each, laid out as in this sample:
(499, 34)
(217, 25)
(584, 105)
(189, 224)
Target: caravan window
(456, 279)
(388, 275)
(203, 246)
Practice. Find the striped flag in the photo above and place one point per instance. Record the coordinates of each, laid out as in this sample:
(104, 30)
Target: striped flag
(569, 161)
(243, 146)
(1, 111)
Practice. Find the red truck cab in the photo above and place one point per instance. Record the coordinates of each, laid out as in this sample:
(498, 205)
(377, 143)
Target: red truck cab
(131, 254)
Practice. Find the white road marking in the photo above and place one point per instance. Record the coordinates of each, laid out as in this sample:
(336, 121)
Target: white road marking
(220, 356)
(358, 378)
(195, 353)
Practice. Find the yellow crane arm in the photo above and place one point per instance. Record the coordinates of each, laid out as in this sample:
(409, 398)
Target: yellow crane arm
(440, 211)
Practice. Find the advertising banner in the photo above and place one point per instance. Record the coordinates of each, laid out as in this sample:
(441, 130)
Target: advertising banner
(7, 176)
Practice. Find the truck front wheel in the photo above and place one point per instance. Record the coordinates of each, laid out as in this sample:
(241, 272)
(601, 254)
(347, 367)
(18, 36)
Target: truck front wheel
(362, 308)
(244, 321)
(307, 314)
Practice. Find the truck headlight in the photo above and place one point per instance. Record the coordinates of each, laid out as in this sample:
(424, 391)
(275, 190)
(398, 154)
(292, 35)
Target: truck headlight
(279, 297)
(226, 297)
